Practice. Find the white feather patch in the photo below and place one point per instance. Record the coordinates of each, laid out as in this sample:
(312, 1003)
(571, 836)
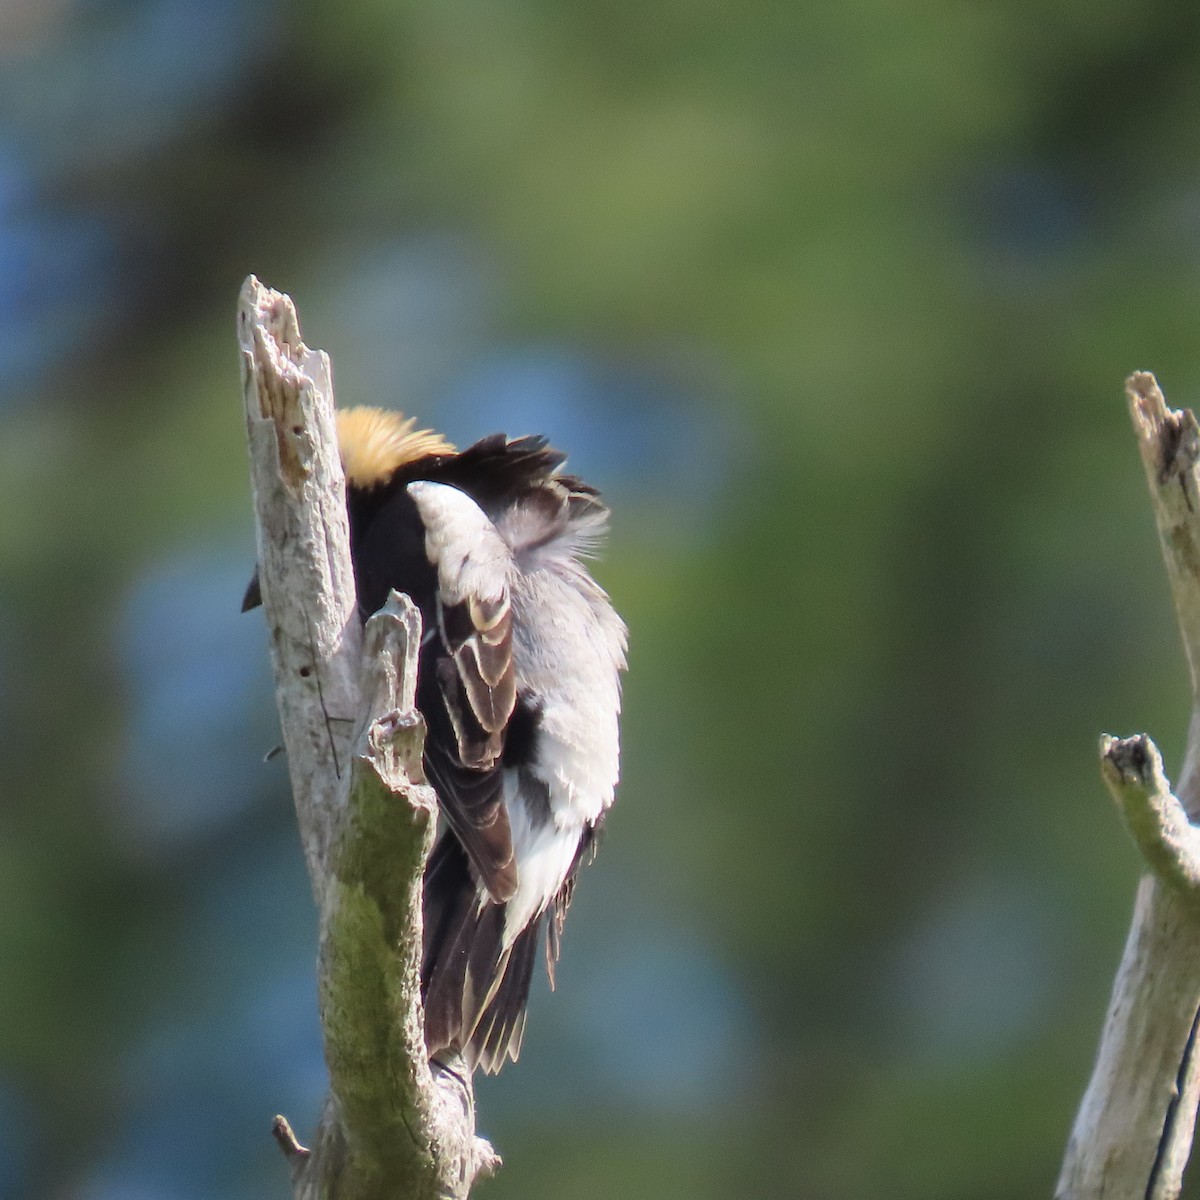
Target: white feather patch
(544, 852)
(471, 557)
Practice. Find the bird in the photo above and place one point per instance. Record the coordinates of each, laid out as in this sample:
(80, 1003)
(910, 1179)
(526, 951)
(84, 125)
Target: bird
(519, 685)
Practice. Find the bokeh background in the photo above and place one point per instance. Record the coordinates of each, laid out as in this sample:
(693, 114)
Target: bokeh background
(834, 301)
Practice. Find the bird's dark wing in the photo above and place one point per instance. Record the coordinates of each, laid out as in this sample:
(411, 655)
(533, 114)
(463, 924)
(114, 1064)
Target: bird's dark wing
(472, 667)
(496, 469)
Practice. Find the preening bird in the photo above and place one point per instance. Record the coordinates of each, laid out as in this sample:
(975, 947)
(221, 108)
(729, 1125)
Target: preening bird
(518, 683)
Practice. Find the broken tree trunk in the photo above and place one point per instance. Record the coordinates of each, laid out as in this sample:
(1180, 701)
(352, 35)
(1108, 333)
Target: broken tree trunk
(393, 1124)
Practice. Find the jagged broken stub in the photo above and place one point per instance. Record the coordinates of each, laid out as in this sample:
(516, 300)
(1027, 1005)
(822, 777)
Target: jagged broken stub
(282, 1132)
(393, 744)
(1133, 771)
(272, 349)
(1171, 434)
(1131, 758)
(1169, 447)
(395, 740)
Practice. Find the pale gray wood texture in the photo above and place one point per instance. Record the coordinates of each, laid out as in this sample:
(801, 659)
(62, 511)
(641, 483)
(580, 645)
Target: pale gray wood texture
(393, 1126)
(1133, 1132)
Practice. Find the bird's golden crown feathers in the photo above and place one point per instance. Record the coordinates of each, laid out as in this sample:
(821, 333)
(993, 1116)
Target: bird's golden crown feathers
(377, 442)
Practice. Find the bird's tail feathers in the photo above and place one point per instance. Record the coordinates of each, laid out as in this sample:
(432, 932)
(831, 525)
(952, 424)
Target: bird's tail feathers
(498, 1033)
(475, 989)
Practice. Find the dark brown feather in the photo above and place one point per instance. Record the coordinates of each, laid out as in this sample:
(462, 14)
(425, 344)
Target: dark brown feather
(497, 1036)
(478, 633)
(464, 962)
(473, 805)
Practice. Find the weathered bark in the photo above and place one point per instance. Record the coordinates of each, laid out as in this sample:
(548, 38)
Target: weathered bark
(392, 1125)
(1133, 1133)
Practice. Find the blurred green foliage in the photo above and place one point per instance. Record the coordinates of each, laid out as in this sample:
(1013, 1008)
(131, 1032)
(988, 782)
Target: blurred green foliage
(898, 260)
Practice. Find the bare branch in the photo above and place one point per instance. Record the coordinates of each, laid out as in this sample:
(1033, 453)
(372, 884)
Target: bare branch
(1130, 1123)
(1133, 1132)
(394, 1123)
(1133, 769)
(399, 1123)
(303, 556)
(1169, 443)
(281, 1131)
